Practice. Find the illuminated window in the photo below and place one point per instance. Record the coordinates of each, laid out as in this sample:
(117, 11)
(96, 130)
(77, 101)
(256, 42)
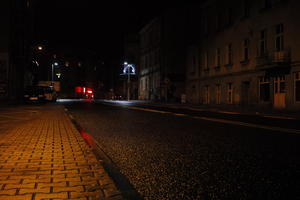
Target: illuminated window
(230, 93)
(264, 89)
(297, 86)
(279, 37)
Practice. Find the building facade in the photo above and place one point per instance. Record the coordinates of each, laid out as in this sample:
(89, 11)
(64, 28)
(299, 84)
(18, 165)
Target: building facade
(162, 57)
(15, 39)
(131, 56)
(249, 54)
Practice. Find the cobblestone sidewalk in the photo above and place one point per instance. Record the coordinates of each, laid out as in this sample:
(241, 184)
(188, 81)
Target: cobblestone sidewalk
(46, 158)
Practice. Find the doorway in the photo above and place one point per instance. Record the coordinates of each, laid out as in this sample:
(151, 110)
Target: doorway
(279, 92)
(245, 93)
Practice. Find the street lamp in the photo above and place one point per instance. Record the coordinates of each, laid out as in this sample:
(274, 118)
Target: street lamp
(129, 69)
(40, 48)
(54, 64)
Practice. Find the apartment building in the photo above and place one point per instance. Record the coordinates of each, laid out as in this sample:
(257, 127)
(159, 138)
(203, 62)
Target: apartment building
(249, 54)
(162, 57)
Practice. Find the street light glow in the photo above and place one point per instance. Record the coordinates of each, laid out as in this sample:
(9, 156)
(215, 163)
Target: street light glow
(55, 63)
(40, 48)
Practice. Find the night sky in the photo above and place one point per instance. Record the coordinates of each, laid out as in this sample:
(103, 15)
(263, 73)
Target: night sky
(98, 26)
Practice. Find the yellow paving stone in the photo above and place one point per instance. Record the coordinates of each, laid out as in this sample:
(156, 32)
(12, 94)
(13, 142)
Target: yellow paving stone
(34, 190)
(93, 195)
(72, 171)
(86, 183)
(55, 180)
(46, 185)
(38, 180)
(52, 176)
(61, 195)
(68, 189)
(32, 177)
(48, 154)
(16, 197)
(18, 186)
(8, 192)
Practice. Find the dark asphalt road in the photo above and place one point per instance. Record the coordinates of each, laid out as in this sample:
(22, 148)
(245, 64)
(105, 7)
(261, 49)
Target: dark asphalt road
(179, 157)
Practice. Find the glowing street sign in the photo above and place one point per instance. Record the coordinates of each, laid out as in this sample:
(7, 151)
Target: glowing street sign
(129, 69)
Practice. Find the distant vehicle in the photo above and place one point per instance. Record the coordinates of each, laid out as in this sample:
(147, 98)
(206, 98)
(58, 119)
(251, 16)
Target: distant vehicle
(82, 92)
(39, 94)
(50, 93)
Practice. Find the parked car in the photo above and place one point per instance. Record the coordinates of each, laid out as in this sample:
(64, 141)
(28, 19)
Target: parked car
(40, 94)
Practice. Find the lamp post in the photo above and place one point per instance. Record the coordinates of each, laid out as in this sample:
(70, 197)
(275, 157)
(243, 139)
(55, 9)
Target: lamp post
(55, 64)
(128, 69)
(128, 85)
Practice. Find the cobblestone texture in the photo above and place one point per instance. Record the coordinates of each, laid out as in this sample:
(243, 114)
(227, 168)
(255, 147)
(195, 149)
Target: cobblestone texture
(46, 158)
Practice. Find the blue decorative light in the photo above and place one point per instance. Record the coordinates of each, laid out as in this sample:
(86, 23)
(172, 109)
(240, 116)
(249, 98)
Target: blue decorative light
(128, 69)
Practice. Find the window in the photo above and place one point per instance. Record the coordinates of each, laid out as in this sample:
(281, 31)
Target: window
(218, 21)
(267, 4)
(264, 89)
(229, 16)
(194, 64)
(146, 84)
(207, 94)
(230, 93)
(218, 94)
(205, 61)
(205, 25)
(297, 86)
(194, 61)
(229, 54)
(246, 49)
(218, 58)
(263, 43)
(279, 84)
(246, 8)
(279, 37)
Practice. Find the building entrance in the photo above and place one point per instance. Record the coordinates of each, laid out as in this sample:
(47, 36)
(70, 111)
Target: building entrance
(279, 92)
(245, 93)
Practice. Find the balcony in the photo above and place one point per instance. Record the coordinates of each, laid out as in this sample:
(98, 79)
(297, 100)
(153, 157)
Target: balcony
(273, 59)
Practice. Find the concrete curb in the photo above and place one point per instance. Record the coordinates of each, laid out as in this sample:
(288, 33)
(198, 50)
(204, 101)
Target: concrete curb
(125, 188)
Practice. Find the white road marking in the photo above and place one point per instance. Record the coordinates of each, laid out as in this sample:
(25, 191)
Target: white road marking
(224, 121)
(279, 117)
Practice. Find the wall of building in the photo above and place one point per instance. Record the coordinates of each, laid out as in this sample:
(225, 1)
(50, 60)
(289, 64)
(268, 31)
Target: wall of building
(236, 27)
(4, 47)
(162, 72)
